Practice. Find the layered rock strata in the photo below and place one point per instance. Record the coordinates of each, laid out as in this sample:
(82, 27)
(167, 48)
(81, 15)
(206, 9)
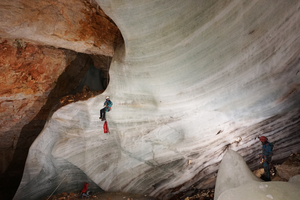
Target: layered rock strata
(193, 79)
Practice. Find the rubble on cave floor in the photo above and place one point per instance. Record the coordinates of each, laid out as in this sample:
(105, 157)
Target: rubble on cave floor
(207, 194)
(100, 196)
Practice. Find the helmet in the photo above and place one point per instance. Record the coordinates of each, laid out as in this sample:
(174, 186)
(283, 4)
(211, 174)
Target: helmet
(263, 138)
(107, 97)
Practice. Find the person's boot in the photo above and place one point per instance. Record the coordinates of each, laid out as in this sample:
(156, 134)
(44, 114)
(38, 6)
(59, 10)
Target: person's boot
(264, 177)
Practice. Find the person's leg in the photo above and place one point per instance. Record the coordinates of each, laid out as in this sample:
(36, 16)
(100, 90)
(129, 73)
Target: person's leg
(267, 171)
(101, 113)
(104, 114)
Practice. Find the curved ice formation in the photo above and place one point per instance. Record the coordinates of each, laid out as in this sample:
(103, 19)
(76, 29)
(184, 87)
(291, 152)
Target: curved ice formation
(193, 79)
(235, 181)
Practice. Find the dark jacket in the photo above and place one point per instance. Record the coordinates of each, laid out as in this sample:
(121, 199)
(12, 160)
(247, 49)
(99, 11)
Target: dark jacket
(267, 151)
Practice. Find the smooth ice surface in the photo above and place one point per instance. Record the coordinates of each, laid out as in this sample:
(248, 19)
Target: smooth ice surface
(233, 172)
(194, 78)
(235, 181)
(295, 179)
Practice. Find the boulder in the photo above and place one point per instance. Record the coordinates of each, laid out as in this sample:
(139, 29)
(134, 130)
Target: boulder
(290, 167)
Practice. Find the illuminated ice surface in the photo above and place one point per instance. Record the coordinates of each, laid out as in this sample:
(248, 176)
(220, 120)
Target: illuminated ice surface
(192, 78)
(235, 181)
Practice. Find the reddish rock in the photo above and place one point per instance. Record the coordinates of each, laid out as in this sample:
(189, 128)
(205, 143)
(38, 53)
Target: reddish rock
(28, 73)
(29, 69)
(79, 25)
(33, 79)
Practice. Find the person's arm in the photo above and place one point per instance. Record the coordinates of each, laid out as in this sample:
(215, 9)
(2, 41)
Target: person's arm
(267, 150)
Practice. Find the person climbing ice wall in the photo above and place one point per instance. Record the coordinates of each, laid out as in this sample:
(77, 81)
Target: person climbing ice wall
(107, 107)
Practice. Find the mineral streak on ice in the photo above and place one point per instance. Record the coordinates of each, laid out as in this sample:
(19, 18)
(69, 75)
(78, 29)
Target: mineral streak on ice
(187, 71)
(236, 181)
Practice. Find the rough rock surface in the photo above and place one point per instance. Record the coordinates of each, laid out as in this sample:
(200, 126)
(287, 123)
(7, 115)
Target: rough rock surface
(290, 167)
(33, 78)
(79, 25)
(28, 74)
(30, 69)
(193, 79)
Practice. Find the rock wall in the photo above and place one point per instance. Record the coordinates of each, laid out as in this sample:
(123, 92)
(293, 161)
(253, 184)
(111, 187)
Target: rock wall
(34, 38)
(79, 25)
(33, 80)
(28, 74)
(193, 79)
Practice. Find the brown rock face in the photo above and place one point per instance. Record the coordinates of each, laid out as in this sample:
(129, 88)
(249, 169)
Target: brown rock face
(79, 25)
(28, 70)
(33, 78)
(290, 168)
(27, 76)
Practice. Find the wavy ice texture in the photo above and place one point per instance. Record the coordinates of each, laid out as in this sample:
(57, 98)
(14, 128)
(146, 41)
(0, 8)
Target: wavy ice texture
(235, 181)
(193, 79)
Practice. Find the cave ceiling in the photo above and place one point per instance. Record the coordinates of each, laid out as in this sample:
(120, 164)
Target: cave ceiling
(191, 80)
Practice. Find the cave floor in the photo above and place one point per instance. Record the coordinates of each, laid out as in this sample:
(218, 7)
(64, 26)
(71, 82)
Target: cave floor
(196, 194)
(101, 196)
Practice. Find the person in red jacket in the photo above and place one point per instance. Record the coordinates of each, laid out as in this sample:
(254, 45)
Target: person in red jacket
(84, 191)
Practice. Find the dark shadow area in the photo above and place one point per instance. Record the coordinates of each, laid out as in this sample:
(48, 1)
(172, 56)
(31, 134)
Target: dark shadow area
(67, 82)
(92, 80)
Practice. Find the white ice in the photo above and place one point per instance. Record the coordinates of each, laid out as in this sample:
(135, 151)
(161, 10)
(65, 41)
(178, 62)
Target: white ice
(235, 181)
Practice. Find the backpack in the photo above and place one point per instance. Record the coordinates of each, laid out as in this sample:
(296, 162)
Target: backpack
(271, 145)
(105, 127)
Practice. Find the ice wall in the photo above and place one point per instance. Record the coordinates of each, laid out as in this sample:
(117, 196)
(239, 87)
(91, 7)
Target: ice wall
(235, 181)
(193, 79)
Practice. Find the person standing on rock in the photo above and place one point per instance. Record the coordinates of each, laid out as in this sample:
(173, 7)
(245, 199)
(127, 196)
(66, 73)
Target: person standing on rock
(107, 107)
(267, 153)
